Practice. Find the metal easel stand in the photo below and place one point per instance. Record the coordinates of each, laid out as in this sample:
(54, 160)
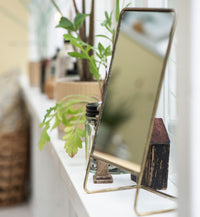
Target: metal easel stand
(154, 192)
(137, 187)
(105, 189)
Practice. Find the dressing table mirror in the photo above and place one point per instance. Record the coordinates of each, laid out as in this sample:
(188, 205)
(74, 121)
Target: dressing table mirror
(132, 93)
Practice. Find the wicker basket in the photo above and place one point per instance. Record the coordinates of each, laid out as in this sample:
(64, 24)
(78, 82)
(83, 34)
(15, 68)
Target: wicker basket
(14, 164)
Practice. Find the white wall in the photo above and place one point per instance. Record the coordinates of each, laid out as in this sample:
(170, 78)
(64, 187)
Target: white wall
(45, 178)
(42, 31)
(188, 107)
(14, 35)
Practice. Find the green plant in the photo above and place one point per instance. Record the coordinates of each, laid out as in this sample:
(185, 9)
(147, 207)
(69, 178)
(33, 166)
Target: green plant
(70, 111)
(78, 27)
(73, 118)
(95, 56)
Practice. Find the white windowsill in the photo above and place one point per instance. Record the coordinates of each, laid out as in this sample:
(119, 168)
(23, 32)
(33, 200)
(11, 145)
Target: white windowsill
(72, 172)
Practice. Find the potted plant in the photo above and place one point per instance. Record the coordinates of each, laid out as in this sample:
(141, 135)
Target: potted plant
(87, 85)
(70, 111)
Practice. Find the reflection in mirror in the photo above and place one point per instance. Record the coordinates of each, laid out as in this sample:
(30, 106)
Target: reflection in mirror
(133, 86)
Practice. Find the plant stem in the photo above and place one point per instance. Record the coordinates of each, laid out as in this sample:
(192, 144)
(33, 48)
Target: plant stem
(91, 38)
(76, 126)
(79, 66)
(79, 102)
(77, 96)
(91, 27)
(75, 7)
(56, 6)
(83, 28)
(82, 32)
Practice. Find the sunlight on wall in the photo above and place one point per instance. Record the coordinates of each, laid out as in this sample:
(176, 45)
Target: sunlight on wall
(14, 35)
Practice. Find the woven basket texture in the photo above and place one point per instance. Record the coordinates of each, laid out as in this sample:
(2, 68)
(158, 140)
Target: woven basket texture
(13, 167)
(14, 141)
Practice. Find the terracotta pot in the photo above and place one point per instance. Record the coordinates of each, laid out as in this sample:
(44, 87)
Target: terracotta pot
(34, 74)
(44, 64)
(69, 86)
(49, 87)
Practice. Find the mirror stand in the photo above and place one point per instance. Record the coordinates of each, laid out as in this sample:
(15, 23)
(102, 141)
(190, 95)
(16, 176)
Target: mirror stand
(136, 186)
(102, 175)
(126, 118)
(161, 194)
(104, 189)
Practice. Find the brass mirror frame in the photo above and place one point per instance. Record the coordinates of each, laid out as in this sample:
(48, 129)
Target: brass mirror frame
(95, 154)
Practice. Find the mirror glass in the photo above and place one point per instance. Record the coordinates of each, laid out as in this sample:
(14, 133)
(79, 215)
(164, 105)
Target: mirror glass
(133, 86)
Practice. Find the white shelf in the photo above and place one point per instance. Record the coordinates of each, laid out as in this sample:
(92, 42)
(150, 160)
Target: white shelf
(72, 172)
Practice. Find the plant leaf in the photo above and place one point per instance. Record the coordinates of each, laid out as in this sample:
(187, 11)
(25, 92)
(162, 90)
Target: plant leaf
(64, 120)
(41, 125)
(47, 115)
(101, 48)
(72, 111)
(78, 20)
(69, 130)
(72, 144)
(99, 55)
(127, 5)
(93, 68)
(77, 54)
(108, 51)
(81, 132)
(72, 118)
(104, 36)
(44, 138)
(59, 114)
(66, 24)
(74, 41)
(82, 122)
(106, 15)
(57, 122)
(88, 48)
